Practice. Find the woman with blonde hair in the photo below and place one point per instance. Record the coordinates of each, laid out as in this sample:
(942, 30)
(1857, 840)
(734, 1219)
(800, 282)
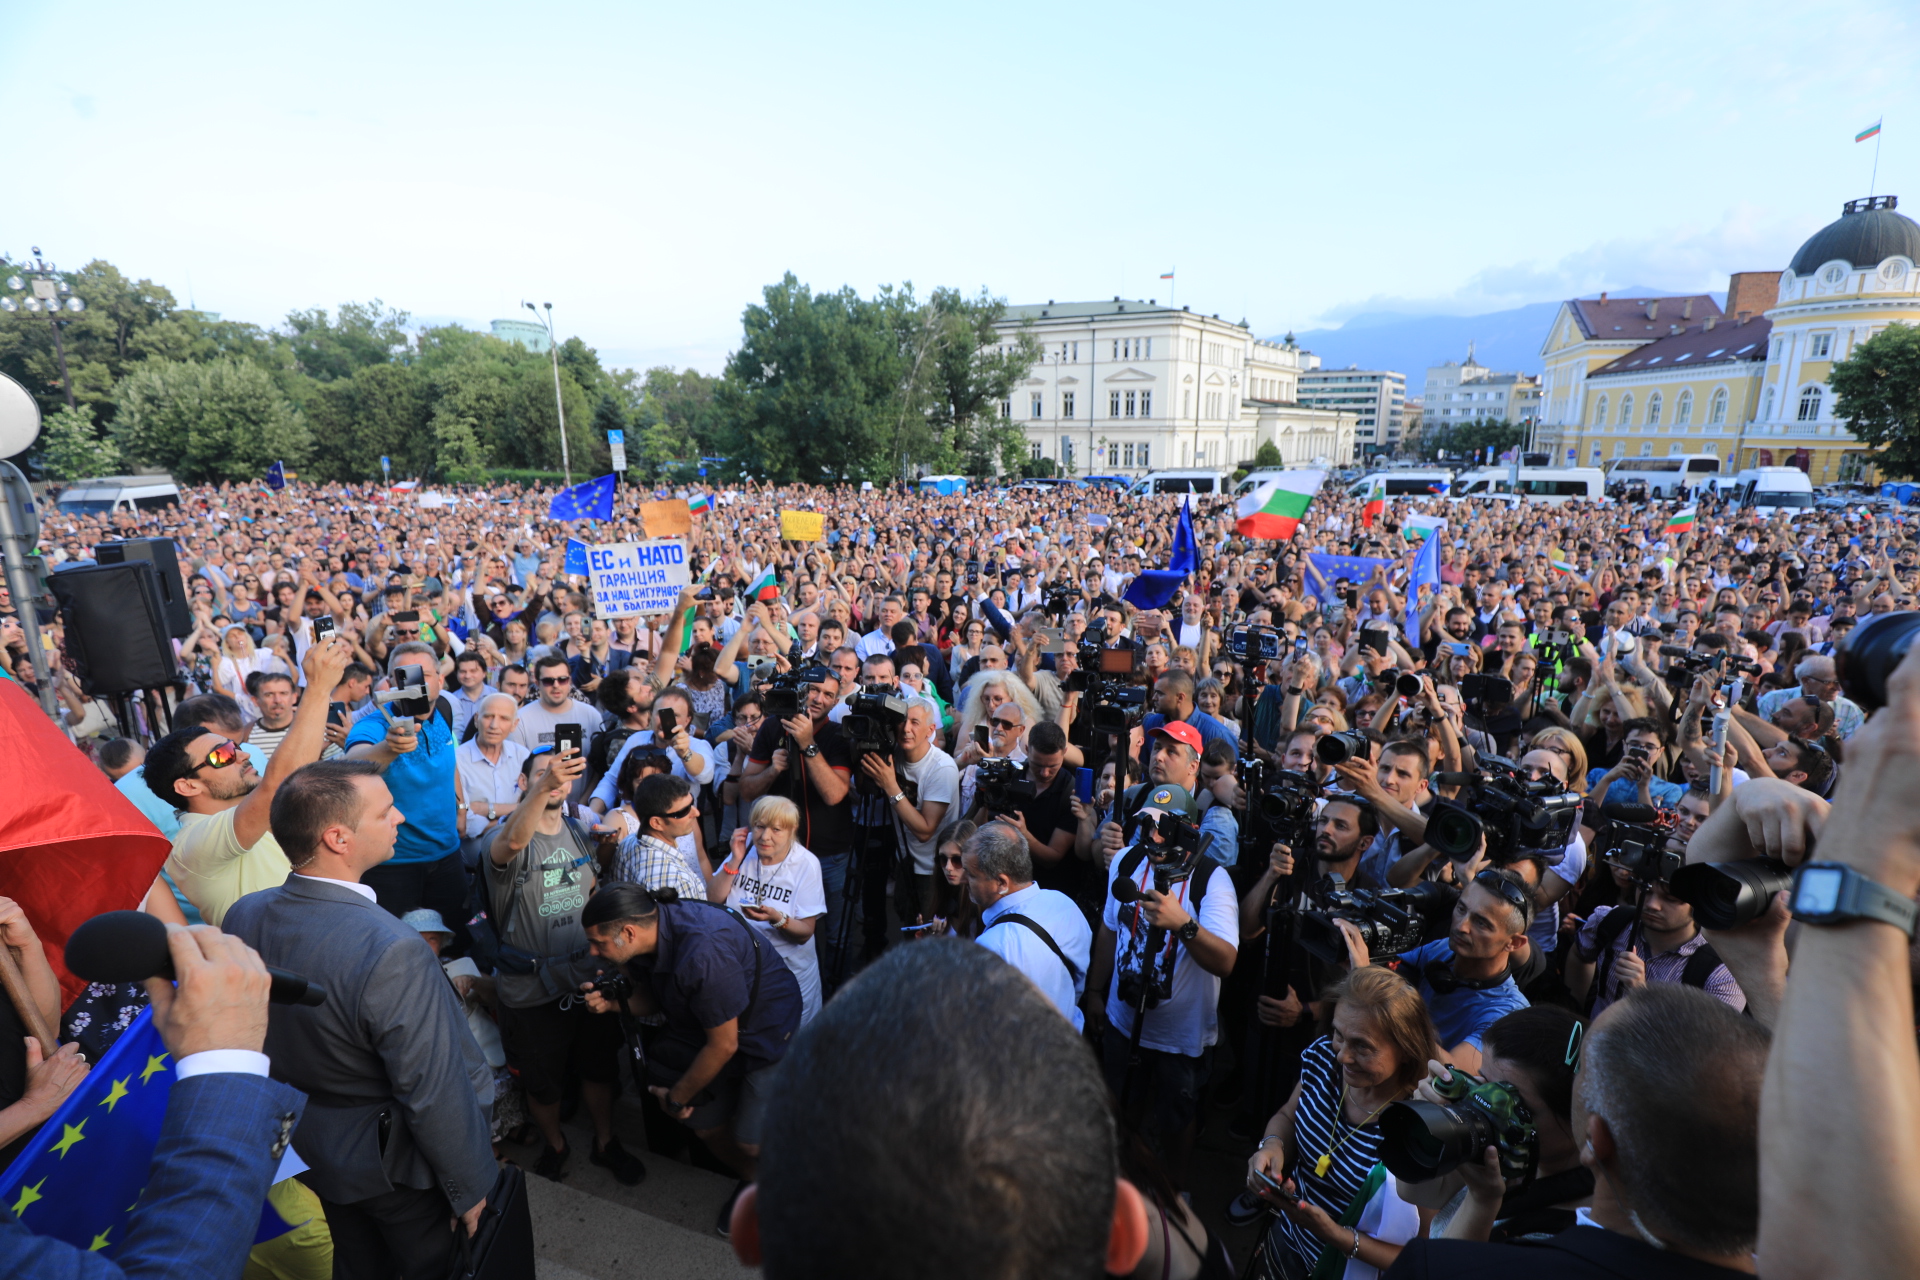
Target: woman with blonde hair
(239, 658)
(1565, 742)
(983, 694)
(774, 881)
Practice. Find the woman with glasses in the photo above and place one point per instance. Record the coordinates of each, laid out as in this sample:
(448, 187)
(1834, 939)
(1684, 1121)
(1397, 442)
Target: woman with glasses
(954, 910)
(774, 881)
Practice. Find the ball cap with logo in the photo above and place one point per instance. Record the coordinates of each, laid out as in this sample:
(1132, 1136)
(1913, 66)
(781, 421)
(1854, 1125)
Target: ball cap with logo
(1166, 797)
(1183, 733)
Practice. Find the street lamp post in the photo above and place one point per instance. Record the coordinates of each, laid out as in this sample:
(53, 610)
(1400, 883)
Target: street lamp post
(42, 289)
(553, 349)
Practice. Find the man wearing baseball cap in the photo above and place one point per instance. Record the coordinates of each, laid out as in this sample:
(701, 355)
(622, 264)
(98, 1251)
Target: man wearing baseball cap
(1195, 926)
(1175, 749)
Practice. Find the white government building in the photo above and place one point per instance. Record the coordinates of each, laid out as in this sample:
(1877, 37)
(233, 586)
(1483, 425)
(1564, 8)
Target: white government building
(1127, 387)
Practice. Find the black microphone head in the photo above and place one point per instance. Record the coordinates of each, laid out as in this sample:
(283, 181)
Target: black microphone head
(1618, 812)
(120, 946)
(1125, 890)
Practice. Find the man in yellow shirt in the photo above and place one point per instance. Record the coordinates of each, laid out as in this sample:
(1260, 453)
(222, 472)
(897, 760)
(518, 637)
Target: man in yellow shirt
(224, 850)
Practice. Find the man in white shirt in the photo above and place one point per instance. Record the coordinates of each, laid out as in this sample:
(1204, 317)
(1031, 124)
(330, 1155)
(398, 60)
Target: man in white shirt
(1038, 931)
(469, 691)
(556, 705)
(917, 818)
(880, 639)
(488, 765)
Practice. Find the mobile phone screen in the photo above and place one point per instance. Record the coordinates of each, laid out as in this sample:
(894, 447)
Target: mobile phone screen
(566, 737)
(1083, 785)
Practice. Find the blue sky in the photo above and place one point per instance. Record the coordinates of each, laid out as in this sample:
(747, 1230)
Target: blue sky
(648, 168)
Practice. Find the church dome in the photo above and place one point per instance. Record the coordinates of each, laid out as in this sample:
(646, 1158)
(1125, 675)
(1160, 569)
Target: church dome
(1867, 234)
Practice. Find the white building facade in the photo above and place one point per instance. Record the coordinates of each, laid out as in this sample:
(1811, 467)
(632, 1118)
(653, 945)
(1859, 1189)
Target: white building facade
(1127, 387)
(1378, 398)
(1456, 393)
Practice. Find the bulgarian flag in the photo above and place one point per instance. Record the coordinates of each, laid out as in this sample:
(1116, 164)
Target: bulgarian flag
(699, 504)
(1872, 130)
(764, 588)
(1376, 503)
(1417, 527)
(1273, 511)
(1680, 522)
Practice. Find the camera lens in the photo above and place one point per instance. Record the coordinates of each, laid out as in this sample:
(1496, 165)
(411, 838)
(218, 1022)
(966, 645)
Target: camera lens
(1423, 1140)
(1726, 895)
(1454, 831)
(1338, 748)
(1407, 685)
(1870, 654)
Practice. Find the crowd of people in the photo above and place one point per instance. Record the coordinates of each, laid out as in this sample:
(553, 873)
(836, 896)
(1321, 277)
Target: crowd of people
(1300, 846)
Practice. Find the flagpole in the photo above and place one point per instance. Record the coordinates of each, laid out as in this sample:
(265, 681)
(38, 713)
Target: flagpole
(1875, 179)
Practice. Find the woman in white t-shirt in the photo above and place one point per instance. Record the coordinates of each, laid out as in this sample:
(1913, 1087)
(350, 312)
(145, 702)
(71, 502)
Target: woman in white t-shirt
(774, 882)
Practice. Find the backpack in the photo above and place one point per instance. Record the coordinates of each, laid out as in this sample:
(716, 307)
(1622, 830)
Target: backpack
(489, 950)
(1700, 965)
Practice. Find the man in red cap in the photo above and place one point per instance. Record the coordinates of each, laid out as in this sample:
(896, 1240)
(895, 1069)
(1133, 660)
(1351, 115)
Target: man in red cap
(1176, 748)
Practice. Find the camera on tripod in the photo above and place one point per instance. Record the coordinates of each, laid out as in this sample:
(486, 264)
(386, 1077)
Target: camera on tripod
(408, 697)
(1516, 814)
(1390, 920)
(1058, 602)
(1002, 785)
(785, 695)
(1287, 800)
(873, 721)
(1637, 838)
(1105, 674)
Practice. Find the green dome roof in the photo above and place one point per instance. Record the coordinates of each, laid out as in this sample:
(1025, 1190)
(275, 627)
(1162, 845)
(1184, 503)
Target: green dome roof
(1867, 234)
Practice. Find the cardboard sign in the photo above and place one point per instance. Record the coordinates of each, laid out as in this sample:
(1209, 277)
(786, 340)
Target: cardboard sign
(668, 518)
(636, 579)
(802, 526)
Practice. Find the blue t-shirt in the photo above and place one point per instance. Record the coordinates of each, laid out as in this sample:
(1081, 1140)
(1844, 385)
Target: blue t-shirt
(422, 786)
(1665, 794)
(1462, 1015)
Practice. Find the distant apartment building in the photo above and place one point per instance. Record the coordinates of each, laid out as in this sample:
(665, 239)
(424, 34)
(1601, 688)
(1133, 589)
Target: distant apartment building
(1469, 392)
(1377, 398)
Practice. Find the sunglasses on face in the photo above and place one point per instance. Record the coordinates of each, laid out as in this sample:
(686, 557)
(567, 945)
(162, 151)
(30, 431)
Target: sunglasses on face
(218, 758)
(555, 680)
(950, 859)
(677, 814)
(1005, 724)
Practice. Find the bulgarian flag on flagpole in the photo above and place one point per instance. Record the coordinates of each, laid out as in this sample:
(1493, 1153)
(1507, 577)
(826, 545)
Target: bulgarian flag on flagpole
(763, 588)
(1273, 511)
(1418, 527)
(1680, 522)
(1376, 503)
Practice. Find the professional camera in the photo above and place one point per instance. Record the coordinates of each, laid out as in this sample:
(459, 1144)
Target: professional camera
(1105, 675)
(1688, 663)
(1638, 839)
(1517, 815)
(1390, 920)
(1287, 801)
(1871, 653)
(1249, 643)
(1423, 1140)
(1142, 983)
(1058, 601)
(873, 721)
(1340, 747)
(784, 696)
(408, 697)
(1726, 895)
(1001, 784)
(612, 984)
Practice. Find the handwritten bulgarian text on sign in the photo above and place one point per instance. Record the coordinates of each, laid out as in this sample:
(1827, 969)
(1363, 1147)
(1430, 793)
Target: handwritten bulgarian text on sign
(633, 579)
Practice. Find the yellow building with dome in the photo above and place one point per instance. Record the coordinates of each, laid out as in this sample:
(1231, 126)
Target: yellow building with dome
(1650, 377)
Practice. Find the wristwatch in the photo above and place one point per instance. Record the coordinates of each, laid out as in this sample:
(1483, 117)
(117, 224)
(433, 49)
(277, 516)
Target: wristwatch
(1188, 931)
(1834, 893)
(810, 750)
(896, 797)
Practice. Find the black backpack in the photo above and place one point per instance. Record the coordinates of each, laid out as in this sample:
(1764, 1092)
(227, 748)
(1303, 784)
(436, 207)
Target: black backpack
(1699, 968)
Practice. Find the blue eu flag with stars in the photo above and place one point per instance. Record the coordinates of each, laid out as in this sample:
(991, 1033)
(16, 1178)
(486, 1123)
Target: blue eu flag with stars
(592, 500)
(277, 476)
(81, 1177)
(576, 557)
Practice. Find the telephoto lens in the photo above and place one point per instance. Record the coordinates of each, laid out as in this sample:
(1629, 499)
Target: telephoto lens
(1870, 654)
(1454, 830)
(1407, 684)
(1726, 895)
(1338, 748)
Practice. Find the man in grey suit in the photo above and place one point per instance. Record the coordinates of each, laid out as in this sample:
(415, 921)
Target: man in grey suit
(396, 1123)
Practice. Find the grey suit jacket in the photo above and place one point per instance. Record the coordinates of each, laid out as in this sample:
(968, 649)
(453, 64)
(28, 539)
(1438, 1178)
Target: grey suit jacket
(399, 1094)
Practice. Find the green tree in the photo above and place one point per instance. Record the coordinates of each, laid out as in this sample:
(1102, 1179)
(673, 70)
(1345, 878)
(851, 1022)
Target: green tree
(383, 409)
(71, 447)
(972, 368)
(1267, 455)
(208, 422)
(359, 335)
(677, 418)
(460, 457)
(1877, 394)
(1473, 438)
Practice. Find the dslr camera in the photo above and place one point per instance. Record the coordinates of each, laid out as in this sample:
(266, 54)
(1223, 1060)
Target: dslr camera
(408, 697)
(1424, 1140)
(1390, 920)
(1002, 784)
(612, 984)
(1517, 815)
(1639, 839)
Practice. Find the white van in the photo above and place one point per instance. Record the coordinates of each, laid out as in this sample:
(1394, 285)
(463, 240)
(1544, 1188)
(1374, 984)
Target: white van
(1416, 482)
(1669, 477)
(1771, 491)
(1537, 484)
(109, 494)
(1179, 482)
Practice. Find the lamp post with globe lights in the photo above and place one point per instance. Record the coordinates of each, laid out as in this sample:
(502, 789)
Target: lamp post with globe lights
(35, 286)
(553, 348)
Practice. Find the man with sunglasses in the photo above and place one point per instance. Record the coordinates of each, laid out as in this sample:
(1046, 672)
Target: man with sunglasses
(555, 705)
(1466, 977)
(224, 848)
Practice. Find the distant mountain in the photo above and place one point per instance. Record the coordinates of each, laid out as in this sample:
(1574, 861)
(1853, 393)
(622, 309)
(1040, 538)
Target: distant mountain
(1506, 341)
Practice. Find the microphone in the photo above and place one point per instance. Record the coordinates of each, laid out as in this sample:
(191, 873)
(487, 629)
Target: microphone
(1622, 812)
(130, 946)
(1125, 890)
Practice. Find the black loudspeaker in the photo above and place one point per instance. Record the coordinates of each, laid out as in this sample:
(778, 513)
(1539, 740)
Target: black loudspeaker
(116, 624)
(166, 564)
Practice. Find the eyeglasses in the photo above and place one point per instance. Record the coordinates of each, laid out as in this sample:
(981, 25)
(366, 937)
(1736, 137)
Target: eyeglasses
(406, 634)
(218, 758)
(950, 859)
(1005, 724)
(555, 680)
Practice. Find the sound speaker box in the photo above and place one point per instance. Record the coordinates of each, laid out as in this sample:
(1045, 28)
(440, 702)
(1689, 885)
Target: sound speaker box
(165, 559)
(116, 626)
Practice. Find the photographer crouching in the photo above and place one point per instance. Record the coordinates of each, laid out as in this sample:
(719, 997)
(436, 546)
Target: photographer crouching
(730, 1004)
(1170, 928)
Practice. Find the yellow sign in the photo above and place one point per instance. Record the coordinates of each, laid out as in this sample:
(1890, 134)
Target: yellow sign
(802, 526)
(668, 518)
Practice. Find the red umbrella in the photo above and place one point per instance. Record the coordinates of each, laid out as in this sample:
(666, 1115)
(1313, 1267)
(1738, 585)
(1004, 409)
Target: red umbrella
(71, 846)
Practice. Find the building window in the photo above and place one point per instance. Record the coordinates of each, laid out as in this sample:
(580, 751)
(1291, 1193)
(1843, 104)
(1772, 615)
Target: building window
(1717, 410)
(1619, 448)
(1600, 413)
(1066, 404)
(1626, 409)
(1596, 455)
(1819, 346)
(1675, 450)
(1143, 455)
(1130, 399)
(1126, 452)
(1066, 451)
(1113, 404)
(1683, 409)
(1809, 404)
(1766, 406)
(1033, 450)
(1186, 403)
(1036, 405)
(1006, 408)
(1646, 450)
(1146, 404)
(1653, 409)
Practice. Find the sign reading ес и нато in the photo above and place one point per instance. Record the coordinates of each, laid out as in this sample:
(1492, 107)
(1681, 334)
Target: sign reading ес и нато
(634, 579)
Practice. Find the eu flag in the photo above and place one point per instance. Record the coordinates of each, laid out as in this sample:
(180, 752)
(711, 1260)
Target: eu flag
(277, 476)
(1153, 588)
(592, 500)
(1324, 569)
(1426, 573)
(576, 557)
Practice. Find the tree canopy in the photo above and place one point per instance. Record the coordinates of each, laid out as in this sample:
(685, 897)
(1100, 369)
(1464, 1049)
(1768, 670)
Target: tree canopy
(1877, 394)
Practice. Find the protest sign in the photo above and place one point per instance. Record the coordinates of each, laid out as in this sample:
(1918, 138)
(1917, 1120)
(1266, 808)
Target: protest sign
(802, 526)
(634, 579)
(668, 518)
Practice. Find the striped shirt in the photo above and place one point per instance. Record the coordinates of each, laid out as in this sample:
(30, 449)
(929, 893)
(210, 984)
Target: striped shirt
(1317, 1126)
(1668, 966)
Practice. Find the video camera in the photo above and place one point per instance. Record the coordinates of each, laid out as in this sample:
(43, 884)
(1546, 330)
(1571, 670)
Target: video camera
(1058, 601)
(1636, 837)
(1424, 1140)
(1287, 802)
(873, 722)
(1485, 694)
(1144, 984)
(1517, 815)
(1002, 785)
(1106, 675)
(408, 697)
(1688, 663)
(1390, 920)
(785, 695)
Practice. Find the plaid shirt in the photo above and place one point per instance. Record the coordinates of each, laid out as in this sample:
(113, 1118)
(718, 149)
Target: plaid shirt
(653, 864)
(1665, 967)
